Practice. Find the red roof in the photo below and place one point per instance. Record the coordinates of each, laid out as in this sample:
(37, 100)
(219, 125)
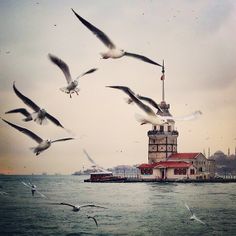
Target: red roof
(191, 155)
(170, 164)
(173, 164)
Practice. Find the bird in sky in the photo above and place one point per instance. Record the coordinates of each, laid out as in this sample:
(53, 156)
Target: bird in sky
(191, 116)
(72, 86)
(33, 186)
(77, 208)
(42, 144)
(113, 52)
(39, 115)
(193, 216)
(94, 219)
(95, 165)
(152, 117)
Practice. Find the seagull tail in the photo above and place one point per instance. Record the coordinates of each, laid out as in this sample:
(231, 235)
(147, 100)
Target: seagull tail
(41, 121)
(33, 149)
(141, 119)
(65, 90)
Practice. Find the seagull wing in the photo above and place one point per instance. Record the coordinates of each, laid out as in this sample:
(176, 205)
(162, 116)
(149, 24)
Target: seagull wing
(62, 139)
(19, 110)
(191, 116)
(150, 101)
(143, 58)
(91, 217)
(89, 158)
(62, 65)
(92, 205)
(66, 204)
(54, 120)
(87, 72)
(42, 195)
(200, 221)
(188, 208)
(93, 162)
(26, 100)
(102, 36)
(131, 94)
(25, 131)
(26, 184)
(3, 193)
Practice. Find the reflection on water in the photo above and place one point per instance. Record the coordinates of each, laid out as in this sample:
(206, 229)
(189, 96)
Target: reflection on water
(133, 208)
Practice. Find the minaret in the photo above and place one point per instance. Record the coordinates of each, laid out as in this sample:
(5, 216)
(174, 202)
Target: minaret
(163, 138)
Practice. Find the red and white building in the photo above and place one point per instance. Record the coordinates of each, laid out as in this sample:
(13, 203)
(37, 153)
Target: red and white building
(164, 162)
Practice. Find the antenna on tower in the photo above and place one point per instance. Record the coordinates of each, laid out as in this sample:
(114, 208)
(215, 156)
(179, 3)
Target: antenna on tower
(163, 79)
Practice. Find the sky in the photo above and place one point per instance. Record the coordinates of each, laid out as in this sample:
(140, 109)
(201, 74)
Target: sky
(195, 38)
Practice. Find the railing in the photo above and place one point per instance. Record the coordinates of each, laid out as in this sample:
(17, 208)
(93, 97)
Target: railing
(157, 132)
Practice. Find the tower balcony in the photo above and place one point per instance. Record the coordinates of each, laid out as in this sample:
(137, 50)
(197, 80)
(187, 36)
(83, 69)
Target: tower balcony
(162, 133)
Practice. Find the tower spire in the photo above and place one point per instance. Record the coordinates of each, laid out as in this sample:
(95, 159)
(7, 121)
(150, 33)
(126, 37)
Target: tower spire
(163, 79)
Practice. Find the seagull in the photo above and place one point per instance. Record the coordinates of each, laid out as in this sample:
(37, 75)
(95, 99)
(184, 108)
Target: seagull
(193, 217)
(191, 116)
(113, 52)
(77, 208)
(39, 115)
(92, 217)
(72, 86)
(42, 144)
(3, 193)
(30, 185)
(152, 117)
(93, 162)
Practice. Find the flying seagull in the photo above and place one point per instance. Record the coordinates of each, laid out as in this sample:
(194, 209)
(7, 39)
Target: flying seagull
(77, 208)
(193, 216)
(191, 116)
(42, 144)
(113, 52)
(3, 193)
(93, 162)
(30, 185)
(92, 217)
(39, 115)
(152, 117)
(72, 86)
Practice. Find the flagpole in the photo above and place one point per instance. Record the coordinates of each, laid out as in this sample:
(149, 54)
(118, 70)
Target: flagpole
(163, 83)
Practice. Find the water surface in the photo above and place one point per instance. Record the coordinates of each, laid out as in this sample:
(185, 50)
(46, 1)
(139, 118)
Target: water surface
(133, 208)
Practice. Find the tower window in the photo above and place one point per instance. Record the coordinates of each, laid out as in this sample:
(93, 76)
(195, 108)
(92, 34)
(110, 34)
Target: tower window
(192, 172)
(169, 128)
(161, 128)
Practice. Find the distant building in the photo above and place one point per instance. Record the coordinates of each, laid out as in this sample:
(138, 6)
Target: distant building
(164, 162)
(125, 171)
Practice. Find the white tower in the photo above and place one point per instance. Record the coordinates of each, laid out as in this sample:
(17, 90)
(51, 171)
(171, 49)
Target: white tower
(163, 138)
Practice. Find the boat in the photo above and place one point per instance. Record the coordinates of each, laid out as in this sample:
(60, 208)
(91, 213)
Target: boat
(103, 177)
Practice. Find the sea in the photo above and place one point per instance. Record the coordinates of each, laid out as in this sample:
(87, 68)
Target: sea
(130, 208)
